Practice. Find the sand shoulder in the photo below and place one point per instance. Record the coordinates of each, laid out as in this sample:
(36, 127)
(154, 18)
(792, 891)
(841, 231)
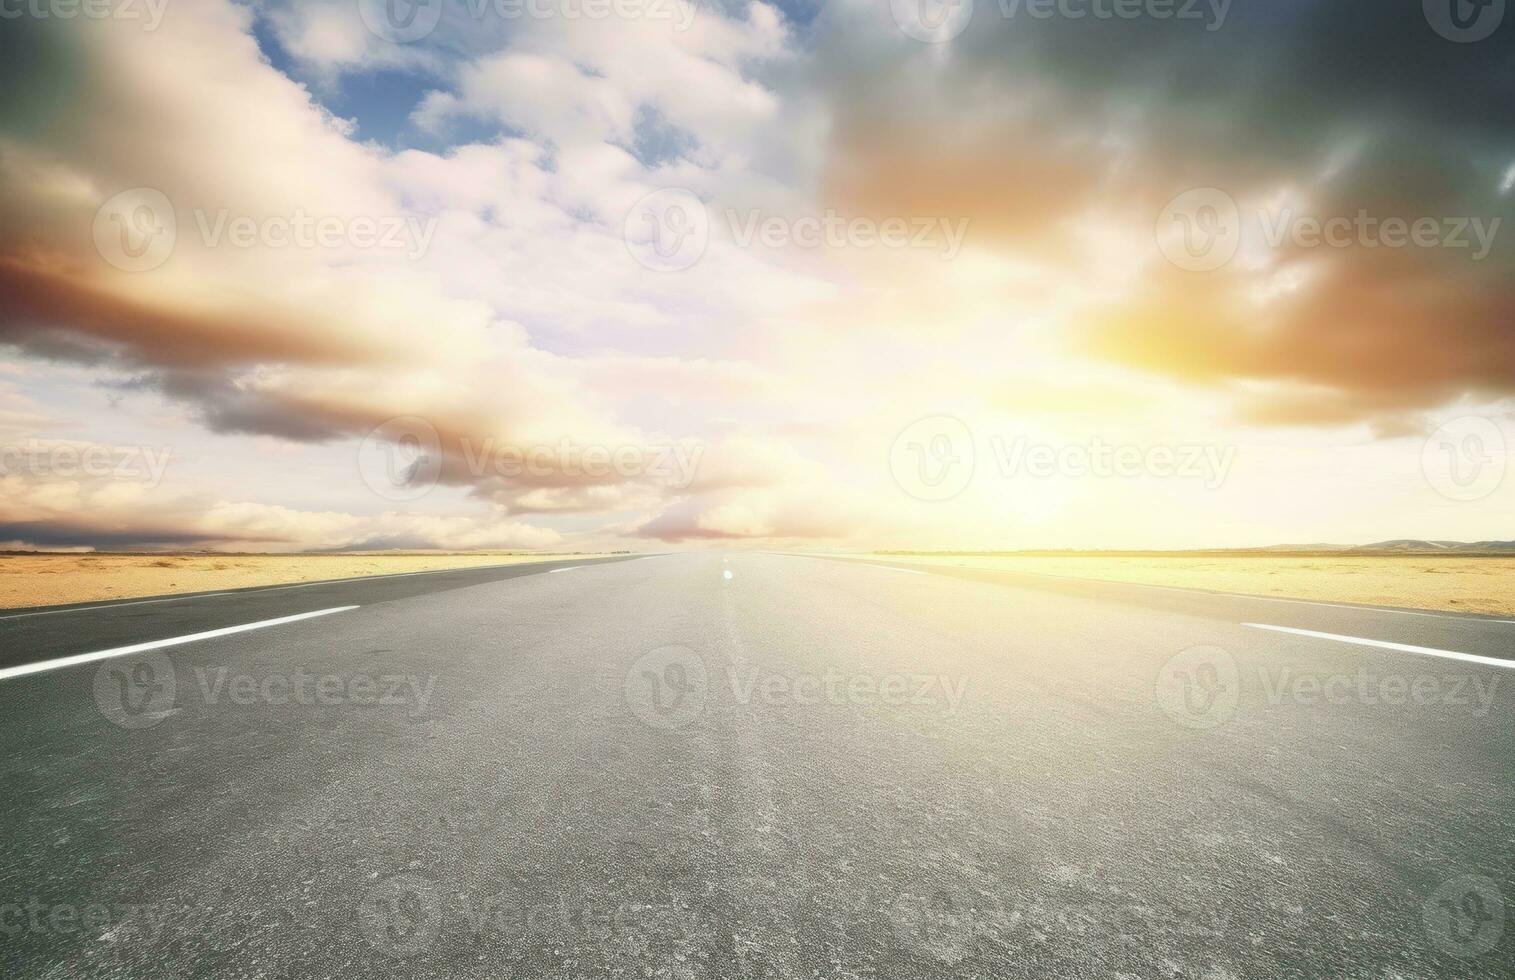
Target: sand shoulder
(1443, 583)
(1448, 584)
(49, 580)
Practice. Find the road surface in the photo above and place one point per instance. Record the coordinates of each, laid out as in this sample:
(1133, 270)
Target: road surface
(754, 765)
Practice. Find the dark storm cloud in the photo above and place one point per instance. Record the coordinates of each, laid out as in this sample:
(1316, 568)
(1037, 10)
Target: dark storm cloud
(62, 534)
(1030, 126)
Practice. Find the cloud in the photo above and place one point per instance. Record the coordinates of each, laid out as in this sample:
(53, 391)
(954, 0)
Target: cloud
(793, 514)
(1050, 132)
(561, 83)
(324, 343)
(510, 316)
(69, 494)
(755, 487)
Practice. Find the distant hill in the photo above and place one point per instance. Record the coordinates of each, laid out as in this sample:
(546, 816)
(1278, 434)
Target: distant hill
(1418, 546)
(1401, 546)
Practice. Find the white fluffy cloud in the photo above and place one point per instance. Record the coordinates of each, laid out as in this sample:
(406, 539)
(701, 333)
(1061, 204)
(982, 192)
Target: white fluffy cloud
(521, 237)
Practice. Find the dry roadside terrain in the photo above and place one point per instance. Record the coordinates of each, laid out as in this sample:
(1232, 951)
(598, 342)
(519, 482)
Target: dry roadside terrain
(1450, 583)
(50, 579)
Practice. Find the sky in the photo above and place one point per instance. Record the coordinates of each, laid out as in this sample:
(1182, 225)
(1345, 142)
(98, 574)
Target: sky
(578, 275)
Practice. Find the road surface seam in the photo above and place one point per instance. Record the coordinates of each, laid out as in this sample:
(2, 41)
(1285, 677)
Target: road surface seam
(1193, 591)
(253, 590)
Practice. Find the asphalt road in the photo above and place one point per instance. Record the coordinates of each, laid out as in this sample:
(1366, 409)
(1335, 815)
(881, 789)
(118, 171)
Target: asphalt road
(755, 765)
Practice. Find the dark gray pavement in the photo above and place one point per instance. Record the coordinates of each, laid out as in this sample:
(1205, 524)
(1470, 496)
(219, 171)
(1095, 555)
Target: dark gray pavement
(810, 768)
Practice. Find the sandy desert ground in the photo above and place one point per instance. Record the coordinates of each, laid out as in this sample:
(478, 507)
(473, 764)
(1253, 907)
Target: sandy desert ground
(1475, 585)
(47, 580)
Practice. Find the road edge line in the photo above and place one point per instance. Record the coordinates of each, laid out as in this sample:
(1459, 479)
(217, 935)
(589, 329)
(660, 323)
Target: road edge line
(24, 670)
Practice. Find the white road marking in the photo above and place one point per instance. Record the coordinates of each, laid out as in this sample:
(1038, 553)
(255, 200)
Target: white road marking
(569, 569)
(1471, 658)
(86, 658)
